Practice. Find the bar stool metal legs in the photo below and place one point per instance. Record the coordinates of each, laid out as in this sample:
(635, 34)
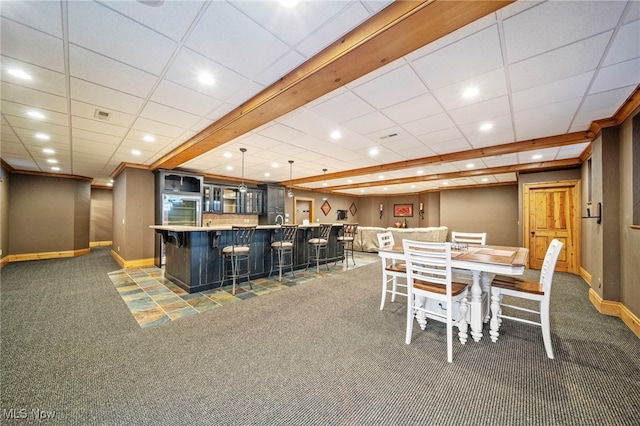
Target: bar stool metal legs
(318, 247)
(345, 239)
(284, 247)
(238, 256)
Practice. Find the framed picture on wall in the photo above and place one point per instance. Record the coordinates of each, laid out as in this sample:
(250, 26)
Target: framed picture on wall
(403, 210)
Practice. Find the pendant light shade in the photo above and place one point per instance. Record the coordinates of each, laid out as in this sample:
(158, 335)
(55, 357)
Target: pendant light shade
(290, 191)
(324, 183)
(242, 187)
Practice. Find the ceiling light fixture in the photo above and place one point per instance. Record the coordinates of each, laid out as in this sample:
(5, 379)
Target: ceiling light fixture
(48, 151)
(373, 151)
(324, 196)
(52, 161)
(470, 92)
(242, 187)
(148, 138)
(35, 114)
(536, 156)
(136, 152)
(290, 191)
(288, 3)
(42, 136)
(55, 169)
(206, 78)
(335, 135)
(19, 73)
(486, 126)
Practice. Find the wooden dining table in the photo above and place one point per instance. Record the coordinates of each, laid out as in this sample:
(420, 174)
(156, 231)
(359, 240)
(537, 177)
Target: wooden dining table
(481, 261)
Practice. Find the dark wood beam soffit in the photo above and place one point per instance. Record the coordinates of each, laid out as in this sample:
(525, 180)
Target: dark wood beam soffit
(529, 167)
(510, 148)
(395, 31)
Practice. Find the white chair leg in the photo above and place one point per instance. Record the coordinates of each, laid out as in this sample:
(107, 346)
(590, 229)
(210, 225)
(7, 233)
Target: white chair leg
(449, 336)
(546, 329)
(410, 311)
(463, 326)
(384, 290)
(394, 286)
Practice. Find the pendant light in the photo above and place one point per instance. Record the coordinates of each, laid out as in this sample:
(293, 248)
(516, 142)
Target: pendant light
(290, 192)
(242, 187)
(324, 196)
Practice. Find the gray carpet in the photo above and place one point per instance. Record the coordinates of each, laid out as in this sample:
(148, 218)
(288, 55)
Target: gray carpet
(317, 354)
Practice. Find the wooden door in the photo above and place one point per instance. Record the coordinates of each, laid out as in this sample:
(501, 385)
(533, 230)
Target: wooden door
(550, 212)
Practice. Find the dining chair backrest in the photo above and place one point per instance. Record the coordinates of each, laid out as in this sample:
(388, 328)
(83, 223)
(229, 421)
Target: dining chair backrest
(242, 235)
(288, 233)
(469, 237)
(385, 239)
(428, 261)
(325, 230)
(549, 265)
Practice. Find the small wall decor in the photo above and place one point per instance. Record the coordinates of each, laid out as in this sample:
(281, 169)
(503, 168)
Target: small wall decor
(353, 209)
(342, 214)
(326, 207)
(403, 210)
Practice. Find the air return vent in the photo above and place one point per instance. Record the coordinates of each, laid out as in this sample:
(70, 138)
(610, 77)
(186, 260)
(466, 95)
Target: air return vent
(102, 115)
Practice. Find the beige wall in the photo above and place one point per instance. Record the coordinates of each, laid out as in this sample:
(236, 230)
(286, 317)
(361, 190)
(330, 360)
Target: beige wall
(4, 213)
(101, 227)
(48, 214)
(133, 213)
(493, 210)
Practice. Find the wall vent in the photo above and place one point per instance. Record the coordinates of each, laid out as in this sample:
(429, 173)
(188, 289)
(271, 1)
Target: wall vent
(392, 135)
(102, 115)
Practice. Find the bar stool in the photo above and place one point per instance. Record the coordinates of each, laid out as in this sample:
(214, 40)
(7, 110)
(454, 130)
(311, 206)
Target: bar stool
(239, 251)
(284, 247)
(345, 239)
(318, 245)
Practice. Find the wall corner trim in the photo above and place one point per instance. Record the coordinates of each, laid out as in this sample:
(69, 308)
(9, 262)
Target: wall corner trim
(616, 309)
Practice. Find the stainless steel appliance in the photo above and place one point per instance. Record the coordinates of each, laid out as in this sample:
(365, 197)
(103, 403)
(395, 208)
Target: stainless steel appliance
(181, 210)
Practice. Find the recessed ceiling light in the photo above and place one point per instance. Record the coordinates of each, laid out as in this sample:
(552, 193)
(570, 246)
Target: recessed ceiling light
(229, 168)
(335, 135)
(48, 151)
(148, 138)
(324, 183)
(19, 73)
(267, 174)
(349, 180)
(35, 114)
(470, 165)
(55, 168)
(374, 151)
(445, 183)
(136, 152)
(419, 172)
(381, 177)
(288, 3)
(536, 156)
(362, 190)
(485, 180)
(486, 126)
(52, 161)
(413, 186)
(205, 78)
(275, 165)
(42, 136)
(109, 183)
(386, 189)
(227, 155)
(470, 92)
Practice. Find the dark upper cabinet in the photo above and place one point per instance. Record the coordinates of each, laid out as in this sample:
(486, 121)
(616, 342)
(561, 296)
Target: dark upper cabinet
(223, 199)
(273, 204)
(182, 183)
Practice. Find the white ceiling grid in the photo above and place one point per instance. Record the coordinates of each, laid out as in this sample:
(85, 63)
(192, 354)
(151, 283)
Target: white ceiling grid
(542, 69)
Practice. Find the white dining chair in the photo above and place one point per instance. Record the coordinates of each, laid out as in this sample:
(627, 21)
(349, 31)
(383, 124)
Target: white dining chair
(479, 238)
(394, 273)
(538, 291)
(429, 277)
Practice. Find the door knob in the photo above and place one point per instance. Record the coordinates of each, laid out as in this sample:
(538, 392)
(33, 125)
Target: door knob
(533, 232)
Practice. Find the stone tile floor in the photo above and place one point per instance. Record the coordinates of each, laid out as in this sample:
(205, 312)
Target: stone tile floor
(154, 299)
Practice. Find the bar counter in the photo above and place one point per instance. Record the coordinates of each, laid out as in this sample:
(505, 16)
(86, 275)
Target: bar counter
(193, 257)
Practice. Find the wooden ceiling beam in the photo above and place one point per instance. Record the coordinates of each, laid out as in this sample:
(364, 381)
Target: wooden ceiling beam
(472, 154)
(529, 167)
(397, 30)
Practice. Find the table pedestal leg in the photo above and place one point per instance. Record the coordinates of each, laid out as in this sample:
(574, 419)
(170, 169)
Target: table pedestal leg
(486, 292)
(475, 307)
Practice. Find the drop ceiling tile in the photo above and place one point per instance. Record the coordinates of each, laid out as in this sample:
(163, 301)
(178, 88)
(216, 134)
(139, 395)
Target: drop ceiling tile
(502, 132)
(98, 126)
(616, 76)
(22, 110)
(37, 126)
(344, 107)
(181, 15)
(428, 125)
(481, 111)
(476, 54)
(539, 115)
(446, 147)
(106, 99)
(40, 15)
(281, 67)
(31, 97)
(561, 90)
(527, 157)
(626, 44)
(603, 104)
(448, 134)
(535, 130)
(413, 109)
(245, 93)
(100, 29)
(167, 115)
(571, 151)
(92, 146)
(184, 99)
(354, 14)
(281, 133)
(632, 12)
(490, 85)
(562, 26)
(31, 46)
(501, 160)
(565, 62)
(95, 136)
(84, 110)
(211, 39)
(369, 123)
(157, 128)
(43, 80)
(98, 69)
(392, 88)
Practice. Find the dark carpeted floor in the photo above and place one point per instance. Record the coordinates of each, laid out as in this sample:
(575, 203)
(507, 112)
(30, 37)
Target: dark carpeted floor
(317, 354)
